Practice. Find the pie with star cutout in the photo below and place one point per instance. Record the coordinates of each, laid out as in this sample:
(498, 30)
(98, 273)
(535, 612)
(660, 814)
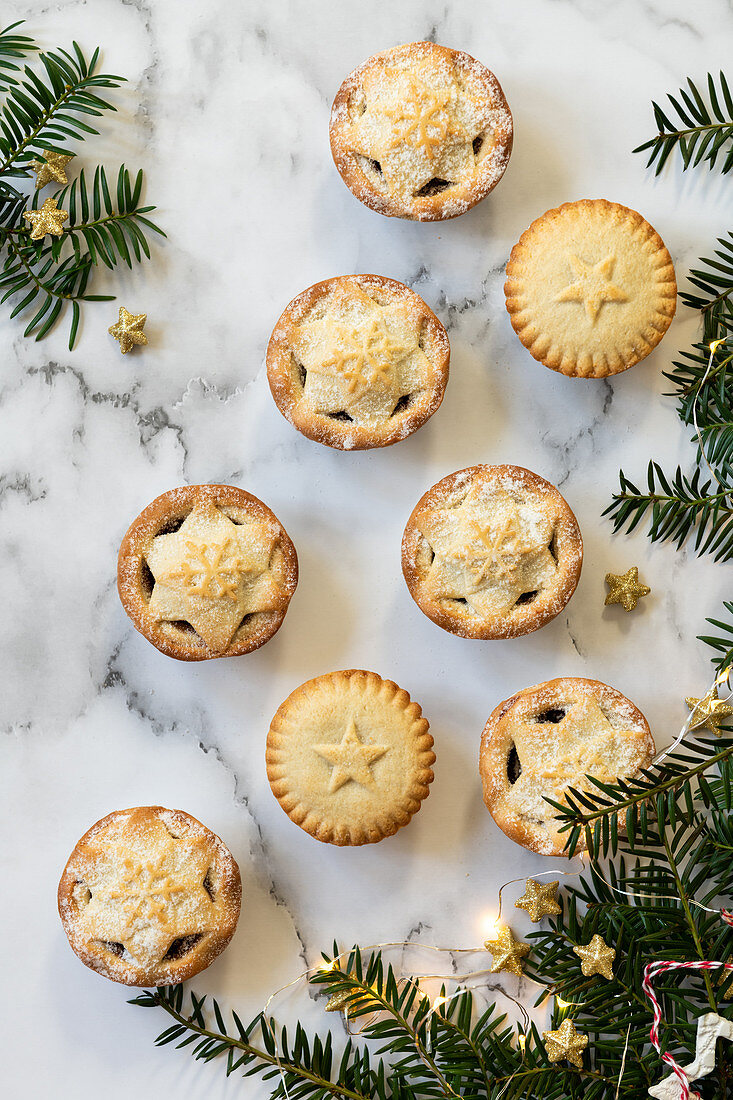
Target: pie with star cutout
(421, 131)
(548, 738)
(492, 552)
(206, 571)
(349, 757)
(149, 896)
(590, 288)
(358, 361)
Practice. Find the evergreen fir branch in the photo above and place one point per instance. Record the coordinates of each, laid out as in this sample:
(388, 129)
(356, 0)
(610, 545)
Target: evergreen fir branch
(677, 510)
(722, 642)
(699, 127)
(13, 47)
(47, 111)
(307, 1067)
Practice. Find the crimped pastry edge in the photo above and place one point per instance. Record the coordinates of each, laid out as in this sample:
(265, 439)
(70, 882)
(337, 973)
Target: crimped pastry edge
(552, 356)
(371, 832)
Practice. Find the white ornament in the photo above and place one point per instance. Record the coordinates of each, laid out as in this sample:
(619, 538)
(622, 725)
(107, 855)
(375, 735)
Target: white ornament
(710, 1028)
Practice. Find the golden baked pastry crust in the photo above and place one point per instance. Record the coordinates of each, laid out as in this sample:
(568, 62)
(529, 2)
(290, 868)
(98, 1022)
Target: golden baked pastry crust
(206, 571)
(349, 757)
(421, 131)
(149, 896)
(492, 552)
(358, 361)
(548, 738)
(590, 288)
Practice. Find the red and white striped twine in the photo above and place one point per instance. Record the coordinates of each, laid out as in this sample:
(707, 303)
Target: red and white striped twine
(651, 970)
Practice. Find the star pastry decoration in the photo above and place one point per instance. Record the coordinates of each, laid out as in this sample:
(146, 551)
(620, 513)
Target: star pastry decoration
(417, 129)
(710, 711)
(559, 754)
(49, 219)
(625, 588)
(539, 900)
(507, 953)
(593, 286)
(211, 572)
(361, 357)
(489, 550)
(351, 758)
(129, 330)
(53, 170)
(145, 903)
(565, 1044)
(596, 958)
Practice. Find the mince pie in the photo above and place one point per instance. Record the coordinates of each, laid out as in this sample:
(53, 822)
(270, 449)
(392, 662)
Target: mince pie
(206, 571)
(548, 738)
(590, 288)
(421, 131)
(492, 552)
(349, 757)
(358, 361)
(149, 896)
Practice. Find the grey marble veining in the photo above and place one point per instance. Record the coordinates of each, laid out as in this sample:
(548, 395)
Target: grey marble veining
(226, 109)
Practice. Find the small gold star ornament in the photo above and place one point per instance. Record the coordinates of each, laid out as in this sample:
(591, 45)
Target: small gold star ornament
(710, 711)
(625, 588)
(539, 901)
(596, 958)
(506, 951)
(53, 170)
(49, 219)
(339, 1002)
(129, 330)
(566, 1043)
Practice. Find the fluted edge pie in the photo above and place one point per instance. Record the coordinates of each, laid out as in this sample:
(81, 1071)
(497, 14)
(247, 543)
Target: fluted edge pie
(590, 288)
(206, 571)
(421, 131)
(149, 896)
(349, 757)
(492, 552)
(358, 361)
(550, 737)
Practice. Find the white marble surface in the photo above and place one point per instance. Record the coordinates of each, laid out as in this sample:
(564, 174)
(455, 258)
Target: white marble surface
(227, 109)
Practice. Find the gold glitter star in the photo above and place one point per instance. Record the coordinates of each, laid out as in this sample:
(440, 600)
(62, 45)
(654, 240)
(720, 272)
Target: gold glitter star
(49, 219)
(339, 1002)
(506, 951)
(625, 588)
(351, 759)
(129, 330)
(53, 169)
(539, 901)
(596, 958)
(565, 1043)
(710, 711)
(593, 286)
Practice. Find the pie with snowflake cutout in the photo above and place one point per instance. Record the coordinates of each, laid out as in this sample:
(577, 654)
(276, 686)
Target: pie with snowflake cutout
(549, 738)
(149, 896)
(590, 288)
(207, 571)
(421, 131)
(349, 757)
(358, 361)
(492, 552)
